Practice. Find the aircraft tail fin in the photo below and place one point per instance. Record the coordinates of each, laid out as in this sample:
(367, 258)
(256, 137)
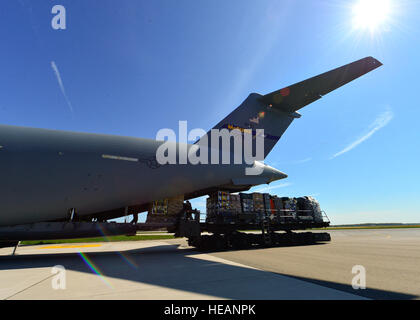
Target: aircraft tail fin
(274, 112)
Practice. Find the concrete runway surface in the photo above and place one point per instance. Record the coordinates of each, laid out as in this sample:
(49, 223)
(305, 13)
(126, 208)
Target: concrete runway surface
(169, 269)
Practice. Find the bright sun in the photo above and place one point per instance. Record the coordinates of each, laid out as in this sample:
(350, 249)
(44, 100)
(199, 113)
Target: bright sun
(371, 14)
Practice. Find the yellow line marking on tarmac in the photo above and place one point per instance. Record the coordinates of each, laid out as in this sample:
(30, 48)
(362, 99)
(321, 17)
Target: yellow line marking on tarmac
(67, 246)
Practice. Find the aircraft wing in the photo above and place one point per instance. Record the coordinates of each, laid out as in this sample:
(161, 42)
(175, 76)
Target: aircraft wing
(297, 96)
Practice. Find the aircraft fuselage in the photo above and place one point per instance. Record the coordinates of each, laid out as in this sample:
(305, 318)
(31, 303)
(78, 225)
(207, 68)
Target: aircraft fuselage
(44, 173)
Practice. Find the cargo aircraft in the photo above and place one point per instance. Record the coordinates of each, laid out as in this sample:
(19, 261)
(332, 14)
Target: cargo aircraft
(51, 176)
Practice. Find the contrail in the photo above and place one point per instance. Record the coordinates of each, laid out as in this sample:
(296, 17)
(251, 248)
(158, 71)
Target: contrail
(302, 161)
(269, 188)
(381, 121)
(60, 83)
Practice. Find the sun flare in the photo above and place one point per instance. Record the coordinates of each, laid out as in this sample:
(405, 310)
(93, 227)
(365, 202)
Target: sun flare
(371, 14)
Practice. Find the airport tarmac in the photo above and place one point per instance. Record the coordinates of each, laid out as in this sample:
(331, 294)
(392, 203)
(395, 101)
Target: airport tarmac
(391, 258)
(169, 269)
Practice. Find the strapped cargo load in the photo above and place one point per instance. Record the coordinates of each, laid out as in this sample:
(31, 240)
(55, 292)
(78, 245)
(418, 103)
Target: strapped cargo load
(223, 207)
(309, 209)
(165, 210)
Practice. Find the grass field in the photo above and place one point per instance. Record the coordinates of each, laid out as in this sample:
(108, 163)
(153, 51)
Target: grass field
(140, 237)
(369, 227)
(107, 239)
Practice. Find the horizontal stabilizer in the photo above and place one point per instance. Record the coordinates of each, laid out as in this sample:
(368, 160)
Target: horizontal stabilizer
(295, 97)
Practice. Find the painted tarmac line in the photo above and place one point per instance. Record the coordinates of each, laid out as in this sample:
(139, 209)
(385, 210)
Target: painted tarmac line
(68, 246)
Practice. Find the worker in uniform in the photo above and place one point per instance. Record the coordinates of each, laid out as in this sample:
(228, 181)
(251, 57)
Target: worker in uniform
(185, 213)
(135, 218)
(188, 210)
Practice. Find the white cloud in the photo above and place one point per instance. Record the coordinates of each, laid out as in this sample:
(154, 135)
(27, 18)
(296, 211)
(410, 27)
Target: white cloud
(60, 83)
(381, 121)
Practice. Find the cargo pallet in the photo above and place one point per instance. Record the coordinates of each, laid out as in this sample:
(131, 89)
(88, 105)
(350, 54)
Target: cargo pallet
(225, 236)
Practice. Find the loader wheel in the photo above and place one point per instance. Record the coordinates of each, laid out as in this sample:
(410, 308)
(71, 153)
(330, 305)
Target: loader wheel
(240, 241)
(204, 243)
(218, 242)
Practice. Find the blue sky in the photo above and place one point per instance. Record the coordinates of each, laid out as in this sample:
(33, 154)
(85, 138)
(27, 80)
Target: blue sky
(133, 67)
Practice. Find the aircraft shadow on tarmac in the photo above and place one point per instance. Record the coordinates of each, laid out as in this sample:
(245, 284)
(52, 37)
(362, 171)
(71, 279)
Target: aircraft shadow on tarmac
(170, 267)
